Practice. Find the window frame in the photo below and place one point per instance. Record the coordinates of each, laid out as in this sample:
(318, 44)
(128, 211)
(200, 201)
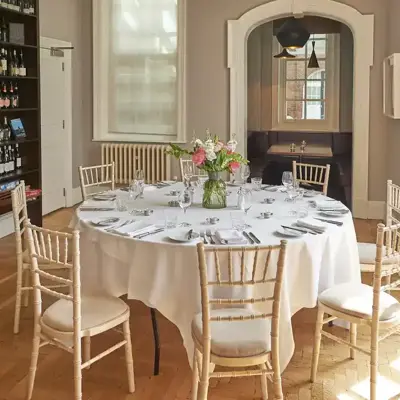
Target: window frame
(332, 95)
(101, 48)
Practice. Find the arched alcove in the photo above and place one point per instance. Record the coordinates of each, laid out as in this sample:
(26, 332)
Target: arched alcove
(362, 27)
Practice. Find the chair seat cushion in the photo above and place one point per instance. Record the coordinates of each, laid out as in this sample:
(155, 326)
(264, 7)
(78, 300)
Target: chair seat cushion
(367, 253)
(95, 311)
(355, 299)
(235, 338)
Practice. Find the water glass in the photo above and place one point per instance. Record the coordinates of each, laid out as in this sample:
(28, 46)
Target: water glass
(171, 220)
(256, 183)
(120, 203)
(135, 190)
(139, 175)
(287, 179)
(238, 219)
(185, 199)
(244, 173)
(202, 180)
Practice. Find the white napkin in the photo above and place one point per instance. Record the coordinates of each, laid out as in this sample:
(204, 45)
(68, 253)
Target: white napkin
(88, 204)
(230, 236)
(329, 205)
(135, 229)
(311, 224)
(149, 188)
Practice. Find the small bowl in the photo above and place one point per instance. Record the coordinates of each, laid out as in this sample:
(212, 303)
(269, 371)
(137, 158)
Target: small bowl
(212, 220)
(174, 193)
(268, 200)
(266, 214)
(173, 203)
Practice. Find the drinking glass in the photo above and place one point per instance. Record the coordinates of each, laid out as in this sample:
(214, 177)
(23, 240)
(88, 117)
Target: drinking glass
(256, 183)
(292, 193)
(238, 219)
(171, 220)
(139, 175)
(287, 178)
(185, 200)
(244, 173)
(202, 180)
(120, 203)
(188, 172)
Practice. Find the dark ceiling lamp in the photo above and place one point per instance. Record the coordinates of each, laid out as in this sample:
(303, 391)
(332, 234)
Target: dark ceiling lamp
(284, 55)
(313, 62)
(292, 34)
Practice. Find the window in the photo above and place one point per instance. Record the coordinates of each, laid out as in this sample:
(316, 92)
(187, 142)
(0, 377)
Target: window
(139, 76)
(307, 98)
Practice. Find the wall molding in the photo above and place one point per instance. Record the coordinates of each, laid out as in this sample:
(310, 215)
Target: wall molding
(362, 27)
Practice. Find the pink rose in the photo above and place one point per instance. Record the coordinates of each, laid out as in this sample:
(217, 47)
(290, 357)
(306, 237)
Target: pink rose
(199, 157)
(234, 166)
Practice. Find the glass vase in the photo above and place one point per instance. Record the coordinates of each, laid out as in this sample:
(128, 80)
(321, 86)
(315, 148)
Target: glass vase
(214, 191)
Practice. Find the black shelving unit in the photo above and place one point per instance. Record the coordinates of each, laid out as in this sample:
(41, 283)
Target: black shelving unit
(29, 110)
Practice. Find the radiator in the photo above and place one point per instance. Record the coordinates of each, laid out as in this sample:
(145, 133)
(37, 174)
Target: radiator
(128, 158)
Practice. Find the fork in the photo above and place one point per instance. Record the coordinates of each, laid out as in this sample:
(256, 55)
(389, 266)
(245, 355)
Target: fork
(112, 228)
(203, 236)
(209, 234)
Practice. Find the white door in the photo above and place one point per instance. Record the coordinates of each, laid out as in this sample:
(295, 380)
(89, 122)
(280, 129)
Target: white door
(54, 138)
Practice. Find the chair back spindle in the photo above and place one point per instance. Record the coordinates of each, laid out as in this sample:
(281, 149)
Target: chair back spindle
(312, 174)
(98, 175)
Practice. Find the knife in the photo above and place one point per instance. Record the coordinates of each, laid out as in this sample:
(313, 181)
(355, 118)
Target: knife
(298, 230)
(247, 236)
(254, 237)
(149, 233)
(337, 223)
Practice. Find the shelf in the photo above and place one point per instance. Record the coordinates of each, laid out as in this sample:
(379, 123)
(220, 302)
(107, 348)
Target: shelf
(9, 10)
(17, 175)
(17, 109)
(18, 77)
(9, 44)
(19, 141)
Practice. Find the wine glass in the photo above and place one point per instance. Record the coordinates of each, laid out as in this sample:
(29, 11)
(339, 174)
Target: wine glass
(185, 200)
(135, 191)
(188, 172)
(245, 173)
(287, 179)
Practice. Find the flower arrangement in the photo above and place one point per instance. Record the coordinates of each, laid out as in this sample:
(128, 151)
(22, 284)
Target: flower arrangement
(211, 155)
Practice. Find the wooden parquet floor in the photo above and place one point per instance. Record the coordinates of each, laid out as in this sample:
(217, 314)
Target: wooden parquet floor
(338, 377)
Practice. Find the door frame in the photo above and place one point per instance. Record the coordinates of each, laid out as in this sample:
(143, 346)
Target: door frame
(47, 43)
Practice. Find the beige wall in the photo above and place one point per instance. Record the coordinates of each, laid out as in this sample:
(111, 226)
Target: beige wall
(70, 20)
(208, 76)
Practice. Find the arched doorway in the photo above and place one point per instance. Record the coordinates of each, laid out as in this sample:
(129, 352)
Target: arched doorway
(362, 29)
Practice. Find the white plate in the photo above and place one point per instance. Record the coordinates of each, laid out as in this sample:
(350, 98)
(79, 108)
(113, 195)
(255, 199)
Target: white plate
(289, 232)
(104, 197)
(181, 236)
(104, 221)
(311, 193)
(333, 213)
(234, 184)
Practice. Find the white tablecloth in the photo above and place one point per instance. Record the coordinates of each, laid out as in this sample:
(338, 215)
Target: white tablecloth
(164, 275)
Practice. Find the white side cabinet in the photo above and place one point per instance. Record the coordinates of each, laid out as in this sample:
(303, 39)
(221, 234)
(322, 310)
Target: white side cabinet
(391, 86)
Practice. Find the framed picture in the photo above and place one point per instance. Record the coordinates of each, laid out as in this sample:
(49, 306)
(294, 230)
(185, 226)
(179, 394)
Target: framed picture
(17, 128)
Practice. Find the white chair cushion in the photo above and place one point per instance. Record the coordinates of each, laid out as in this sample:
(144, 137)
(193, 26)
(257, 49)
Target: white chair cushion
(367, 253)
(235, 338)
(355, 299)
(95, 311)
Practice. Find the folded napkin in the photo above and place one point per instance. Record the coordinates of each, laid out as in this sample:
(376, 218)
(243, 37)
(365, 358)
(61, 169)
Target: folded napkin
(329, 205)
(311, 224)
(95, 205)
(230, 236)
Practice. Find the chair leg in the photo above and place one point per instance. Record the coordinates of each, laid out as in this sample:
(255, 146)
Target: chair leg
(374, 364)
(77, 370)
(26, 293)
(156, 342)
(86, 350)
(264, 383)
(203, 392)
(18, 298)
(353, 340)
(34, 360)
(128, 356)
(195, 382)
(317, 344)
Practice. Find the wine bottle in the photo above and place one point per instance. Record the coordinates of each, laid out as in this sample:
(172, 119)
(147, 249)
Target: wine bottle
(11, 94)
(6, 130)
(2, 171)
(11, 159)
(25, 7)
(22, 69)
(4, 62)
(16, 95)
(31, 7)
(11, 65)
(6, 163)
(4, 31)
(18, 158)
(16, 64)
(6, 97)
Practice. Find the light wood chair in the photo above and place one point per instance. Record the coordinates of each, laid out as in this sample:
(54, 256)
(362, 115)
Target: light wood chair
(367, 251)
(23, 288)
(312, 174)
(362, 304)
(226, 334)
(95, 176)
(71, 317)
(185, 164)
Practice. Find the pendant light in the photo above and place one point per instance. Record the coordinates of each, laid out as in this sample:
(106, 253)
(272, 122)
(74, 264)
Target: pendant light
(292, 34)
(313, 62)
(284, 55)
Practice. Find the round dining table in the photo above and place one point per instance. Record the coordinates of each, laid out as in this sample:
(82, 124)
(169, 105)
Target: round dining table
(163, 273)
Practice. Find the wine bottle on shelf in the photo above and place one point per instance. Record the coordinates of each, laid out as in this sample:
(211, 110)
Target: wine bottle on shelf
(6, 97)
(25, 7)
(6, 130)
(18, 158)
(4, 31)
(11, 94)
(22, 68)
(16, 96)
(2, 166)
(4, 62)
(31, 7)
(16, 64)
(6, 161)
(11, 159)
(11, 65)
